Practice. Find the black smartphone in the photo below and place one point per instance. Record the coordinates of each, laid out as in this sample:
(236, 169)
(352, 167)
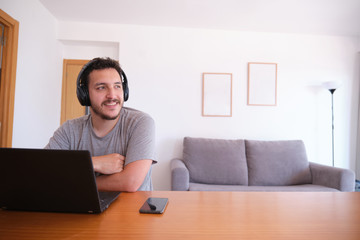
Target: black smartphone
(154, 205)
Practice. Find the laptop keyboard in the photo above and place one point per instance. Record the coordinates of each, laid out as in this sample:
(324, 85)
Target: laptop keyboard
(106, 198)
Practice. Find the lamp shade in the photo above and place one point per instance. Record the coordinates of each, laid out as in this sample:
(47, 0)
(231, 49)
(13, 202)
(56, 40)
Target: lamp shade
(331, 85)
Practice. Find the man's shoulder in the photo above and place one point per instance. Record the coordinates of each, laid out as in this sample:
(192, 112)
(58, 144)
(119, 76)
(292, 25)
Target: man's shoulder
(76, 122)
(134, 113)
(131, 116)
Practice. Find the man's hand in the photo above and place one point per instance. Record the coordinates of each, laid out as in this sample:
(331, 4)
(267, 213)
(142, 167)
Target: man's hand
(109, 164)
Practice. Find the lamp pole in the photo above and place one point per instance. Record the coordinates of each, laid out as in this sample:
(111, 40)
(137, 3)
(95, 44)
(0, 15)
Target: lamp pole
(332, 123)
(332, 86)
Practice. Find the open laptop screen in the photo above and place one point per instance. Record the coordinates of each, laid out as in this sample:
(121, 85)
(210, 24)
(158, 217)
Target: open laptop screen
(48, 180)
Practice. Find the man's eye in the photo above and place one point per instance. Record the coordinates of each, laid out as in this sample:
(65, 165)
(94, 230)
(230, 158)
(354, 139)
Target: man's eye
(118, 86)
(99, 88)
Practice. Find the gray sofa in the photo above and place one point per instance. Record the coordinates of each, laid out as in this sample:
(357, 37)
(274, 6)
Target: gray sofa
(248, 165)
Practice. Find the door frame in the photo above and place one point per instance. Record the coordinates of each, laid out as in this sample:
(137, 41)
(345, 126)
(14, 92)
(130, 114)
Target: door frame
(66, 62)
(8, 78)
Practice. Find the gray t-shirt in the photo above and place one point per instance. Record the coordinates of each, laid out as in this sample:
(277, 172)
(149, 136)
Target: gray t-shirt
(133, 137)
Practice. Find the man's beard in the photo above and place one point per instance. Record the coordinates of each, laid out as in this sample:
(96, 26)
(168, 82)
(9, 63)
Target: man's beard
(97, 111)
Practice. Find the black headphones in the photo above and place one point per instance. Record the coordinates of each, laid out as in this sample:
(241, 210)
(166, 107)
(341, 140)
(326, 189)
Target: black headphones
(82, 90)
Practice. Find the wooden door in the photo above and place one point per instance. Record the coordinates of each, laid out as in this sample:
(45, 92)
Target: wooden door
(9, 46)
(70, 106)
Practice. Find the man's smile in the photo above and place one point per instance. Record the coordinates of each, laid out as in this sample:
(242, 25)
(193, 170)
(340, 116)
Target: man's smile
(111, 102)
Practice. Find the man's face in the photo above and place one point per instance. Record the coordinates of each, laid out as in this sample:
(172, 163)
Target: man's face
(106, 93)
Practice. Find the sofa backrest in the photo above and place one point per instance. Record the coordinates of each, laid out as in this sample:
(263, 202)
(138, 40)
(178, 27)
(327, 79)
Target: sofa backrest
(216, 161)
(277, 163)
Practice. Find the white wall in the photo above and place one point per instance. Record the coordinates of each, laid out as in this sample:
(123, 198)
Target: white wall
(38, 75)
(88, 50)
(164, 68)
(357, 170)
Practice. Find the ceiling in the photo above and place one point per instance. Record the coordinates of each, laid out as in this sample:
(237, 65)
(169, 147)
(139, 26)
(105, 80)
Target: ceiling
(331, 17)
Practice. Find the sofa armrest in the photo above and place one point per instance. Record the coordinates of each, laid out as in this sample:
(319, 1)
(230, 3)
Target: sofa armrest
(179, 175)
(338, 178)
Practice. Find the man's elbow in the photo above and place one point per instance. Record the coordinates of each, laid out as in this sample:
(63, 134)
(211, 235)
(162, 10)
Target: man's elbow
(130, 189)
(132, 185)
(106, 184)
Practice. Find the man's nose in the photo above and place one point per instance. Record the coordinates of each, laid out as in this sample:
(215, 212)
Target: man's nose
(110, 93)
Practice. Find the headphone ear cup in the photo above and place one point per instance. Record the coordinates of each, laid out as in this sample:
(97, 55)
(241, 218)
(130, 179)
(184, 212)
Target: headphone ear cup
(125, 86)
(82, 91)
(83, 95)
(126, 92)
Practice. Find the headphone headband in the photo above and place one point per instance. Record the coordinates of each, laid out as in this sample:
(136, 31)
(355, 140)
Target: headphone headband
(82, 90)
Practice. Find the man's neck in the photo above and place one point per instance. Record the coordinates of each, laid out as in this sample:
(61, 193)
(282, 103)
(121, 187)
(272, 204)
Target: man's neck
(102, 126)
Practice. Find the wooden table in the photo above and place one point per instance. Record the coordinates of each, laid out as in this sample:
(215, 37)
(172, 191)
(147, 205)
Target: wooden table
(200, 215)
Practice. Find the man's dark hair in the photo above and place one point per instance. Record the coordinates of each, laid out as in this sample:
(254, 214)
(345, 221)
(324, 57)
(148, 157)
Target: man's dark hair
(98, 64)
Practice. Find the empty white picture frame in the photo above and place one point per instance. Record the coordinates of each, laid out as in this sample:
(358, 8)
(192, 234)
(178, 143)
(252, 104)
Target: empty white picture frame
(217, 95)
(262, 84)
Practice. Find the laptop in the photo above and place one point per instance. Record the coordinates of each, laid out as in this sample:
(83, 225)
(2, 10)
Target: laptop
(50, 181)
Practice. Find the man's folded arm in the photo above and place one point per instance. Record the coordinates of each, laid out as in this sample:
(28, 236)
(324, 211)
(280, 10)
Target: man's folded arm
(128, 180)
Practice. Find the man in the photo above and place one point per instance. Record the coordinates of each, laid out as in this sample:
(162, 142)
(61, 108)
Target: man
(121, 140)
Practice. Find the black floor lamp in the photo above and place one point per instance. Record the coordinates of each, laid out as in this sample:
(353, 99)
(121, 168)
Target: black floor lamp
(332, 86)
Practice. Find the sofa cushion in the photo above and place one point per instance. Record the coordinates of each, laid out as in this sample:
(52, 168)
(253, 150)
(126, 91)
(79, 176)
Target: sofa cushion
(240, 188)
(277, 163)
(216, 161)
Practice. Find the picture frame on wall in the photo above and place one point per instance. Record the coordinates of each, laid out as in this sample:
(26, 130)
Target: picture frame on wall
(217, 95)
(262, 84)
